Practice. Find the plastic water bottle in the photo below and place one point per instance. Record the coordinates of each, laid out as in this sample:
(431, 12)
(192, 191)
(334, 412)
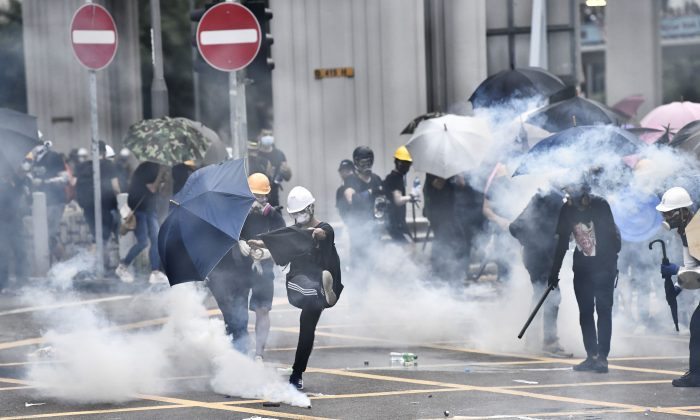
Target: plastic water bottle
(416, 186)
(406, 359)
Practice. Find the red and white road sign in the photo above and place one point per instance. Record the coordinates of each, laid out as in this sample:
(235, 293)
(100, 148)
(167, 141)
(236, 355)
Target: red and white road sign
(93, 35)
(228, 36)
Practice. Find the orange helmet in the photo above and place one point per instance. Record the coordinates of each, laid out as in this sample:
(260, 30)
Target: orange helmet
(259, 184)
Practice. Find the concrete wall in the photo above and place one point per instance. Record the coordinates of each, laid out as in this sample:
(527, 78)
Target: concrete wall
(319, 122)
(57, 85)
(633, 52)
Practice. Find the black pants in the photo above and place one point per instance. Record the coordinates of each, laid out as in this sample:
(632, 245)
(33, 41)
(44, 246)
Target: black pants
(695, 341)
(307, 333)
(594, 292)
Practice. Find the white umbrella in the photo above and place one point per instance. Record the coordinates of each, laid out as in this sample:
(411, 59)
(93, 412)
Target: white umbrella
(449, 145)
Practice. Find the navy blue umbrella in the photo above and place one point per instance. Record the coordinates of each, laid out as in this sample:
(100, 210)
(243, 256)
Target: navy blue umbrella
(579, 148)
(205, 221)
(520, 83)
(571, 112)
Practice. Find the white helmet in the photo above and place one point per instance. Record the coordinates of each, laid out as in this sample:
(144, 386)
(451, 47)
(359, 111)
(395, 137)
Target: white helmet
(674, 198)
(298, 199)
(109, 151)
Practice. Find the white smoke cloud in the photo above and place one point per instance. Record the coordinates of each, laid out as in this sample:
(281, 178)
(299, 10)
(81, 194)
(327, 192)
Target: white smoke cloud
(96, 362)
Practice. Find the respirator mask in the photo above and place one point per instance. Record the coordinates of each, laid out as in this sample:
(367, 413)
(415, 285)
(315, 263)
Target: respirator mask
(303, 217)
(364, 166)
(674, 219)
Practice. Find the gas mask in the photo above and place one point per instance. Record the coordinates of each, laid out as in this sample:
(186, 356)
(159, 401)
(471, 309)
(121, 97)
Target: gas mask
(260, 205)
(579, 197)
(402, 166)
(364, 166)
(303, 217)
(675, 219)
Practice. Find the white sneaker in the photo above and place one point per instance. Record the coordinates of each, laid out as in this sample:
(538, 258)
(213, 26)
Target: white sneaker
(327, 278)
(123, 273)
(157, 277)
(258, 359)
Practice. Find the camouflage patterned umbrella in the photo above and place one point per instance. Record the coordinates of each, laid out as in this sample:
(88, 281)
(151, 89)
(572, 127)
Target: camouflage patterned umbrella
(166, 140)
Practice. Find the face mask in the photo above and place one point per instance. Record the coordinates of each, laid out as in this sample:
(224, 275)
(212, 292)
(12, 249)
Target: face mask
(267, 141)
(26, 166)
(403, 167)
(302, 218)
(364, 166)
(673, 220)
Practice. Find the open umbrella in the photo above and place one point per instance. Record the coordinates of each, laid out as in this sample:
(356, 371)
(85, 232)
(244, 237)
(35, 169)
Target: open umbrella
(628, 106)
(19, 123)
(168, 141)
(573, 112)
(448, 145)
(635, 215)
(513, 84)
(669, 288)
(578, 148)
(216, 151)
(13, 148)
(690, 134)
(672, 116)
(650, 135)
(205, 221)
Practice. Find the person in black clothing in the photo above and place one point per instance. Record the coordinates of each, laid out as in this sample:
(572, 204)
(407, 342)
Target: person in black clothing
(256, 162)
(145, 184)
(109, 188)
(245, 269)
(363, 188)
(180, 173)
(320, 267)
(439, 210)
(535, 229)
(469, 219)
(14, 205)
(345, 170)
(395, 190)
(278, 161)
(589, 219)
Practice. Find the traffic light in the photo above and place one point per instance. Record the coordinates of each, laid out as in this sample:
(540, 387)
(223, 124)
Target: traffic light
(195, 16)
(263, 13)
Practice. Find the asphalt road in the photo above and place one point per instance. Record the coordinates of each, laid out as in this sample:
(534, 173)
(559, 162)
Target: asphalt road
(350, 375)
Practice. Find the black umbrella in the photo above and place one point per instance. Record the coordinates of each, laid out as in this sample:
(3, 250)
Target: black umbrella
(512, 84)
(573, 112)
(288, 243)
(669, 288)
(19, 122)
(205, 221)
(578, 148)
(411, 127)
(13, 148)
(687, 137)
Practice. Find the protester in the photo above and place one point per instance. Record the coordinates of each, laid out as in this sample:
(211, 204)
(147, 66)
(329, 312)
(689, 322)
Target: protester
(14, 205)
(256, 162)
(50, 175)
(125, 164)
(109, 188)
(363, 188)
(676, 208)
(145, 184)
(245, 269)
(469, 219)
(180, 173)
(535, 229)
(395, 189)
(588, 218)
(319, 269)
(278, 161)
(439, 210)
(345, 170)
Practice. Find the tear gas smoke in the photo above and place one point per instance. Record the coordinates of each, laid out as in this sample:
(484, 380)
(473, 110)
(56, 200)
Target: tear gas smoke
(94, 360)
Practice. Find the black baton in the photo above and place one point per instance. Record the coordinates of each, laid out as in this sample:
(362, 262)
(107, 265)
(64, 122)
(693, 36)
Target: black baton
(537, 308)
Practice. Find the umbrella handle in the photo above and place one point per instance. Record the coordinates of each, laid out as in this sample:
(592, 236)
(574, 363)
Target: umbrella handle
(663, 248)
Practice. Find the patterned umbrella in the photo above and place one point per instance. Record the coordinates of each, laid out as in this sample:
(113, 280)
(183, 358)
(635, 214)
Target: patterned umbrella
(168, 141)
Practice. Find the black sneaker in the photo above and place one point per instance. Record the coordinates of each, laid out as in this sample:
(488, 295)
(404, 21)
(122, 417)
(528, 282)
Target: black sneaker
(297, 382)
(688, 380)
(588, 365)
(601, 365)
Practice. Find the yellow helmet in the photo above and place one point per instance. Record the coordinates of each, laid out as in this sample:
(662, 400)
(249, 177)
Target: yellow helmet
(259, 184)
(402, 154)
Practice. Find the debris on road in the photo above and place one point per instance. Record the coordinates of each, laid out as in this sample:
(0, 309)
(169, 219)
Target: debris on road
(447, 413)
(271, 404)
(522, 381)
(28, 404)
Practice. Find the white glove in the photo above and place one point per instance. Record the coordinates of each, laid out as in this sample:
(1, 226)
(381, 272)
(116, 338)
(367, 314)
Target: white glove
(260, 254)
(257, 267)
(244, 247)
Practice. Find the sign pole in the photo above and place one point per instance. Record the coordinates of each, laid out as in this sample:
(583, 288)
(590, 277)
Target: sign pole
(233, 107)
(94, 128)
(242, 115)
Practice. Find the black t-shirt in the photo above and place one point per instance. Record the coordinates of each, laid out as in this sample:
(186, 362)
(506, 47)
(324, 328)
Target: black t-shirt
(596, 235)
(439, 203)
(536, 229)
(84, 188)
(362, 208)
(341, 203)
(145, 173)
(323, 257)
(396, 215)
(276, 157)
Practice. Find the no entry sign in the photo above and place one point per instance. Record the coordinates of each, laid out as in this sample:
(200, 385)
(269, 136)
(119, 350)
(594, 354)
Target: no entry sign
(93, 36)
(228, 36)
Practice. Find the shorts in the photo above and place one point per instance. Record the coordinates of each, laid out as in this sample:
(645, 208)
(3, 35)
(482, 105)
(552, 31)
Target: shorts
(263, 290)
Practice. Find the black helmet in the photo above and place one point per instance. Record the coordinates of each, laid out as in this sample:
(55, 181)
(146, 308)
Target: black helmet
(362, 152)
